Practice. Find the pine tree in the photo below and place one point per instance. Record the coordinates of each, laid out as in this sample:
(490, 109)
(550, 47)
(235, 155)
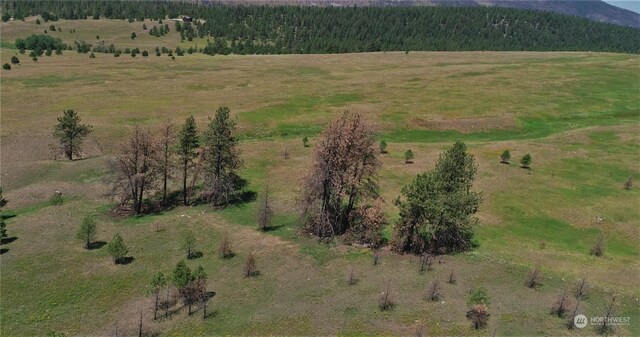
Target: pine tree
(187, 146)
(71, 133)
(436, 209)
(87, 231)
(222, 159)
(117, 248)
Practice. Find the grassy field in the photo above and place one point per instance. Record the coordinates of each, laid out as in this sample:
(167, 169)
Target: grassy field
(577, 114)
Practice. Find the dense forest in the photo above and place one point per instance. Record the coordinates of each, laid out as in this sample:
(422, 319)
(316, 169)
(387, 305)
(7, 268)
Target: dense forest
(293, 29)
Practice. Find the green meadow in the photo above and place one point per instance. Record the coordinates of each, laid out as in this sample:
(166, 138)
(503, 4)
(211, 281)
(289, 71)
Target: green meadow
(577, 114)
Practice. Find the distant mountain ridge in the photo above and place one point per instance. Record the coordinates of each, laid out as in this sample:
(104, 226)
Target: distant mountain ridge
(596, 10)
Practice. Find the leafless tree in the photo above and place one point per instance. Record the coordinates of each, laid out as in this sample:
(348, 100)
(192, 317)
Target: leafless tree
(376, 257)
(434, 291)
(598, 247)
(452, 277)
(628, 184)
(606, 328)
(386, 302)
(352, 279)
(535, 278)
(133, 170)
(478, 315)
(225, 251)
(342, 175)
(250, 268)
(167, 139)
(265, 213)
(582, 289)
(561, 305)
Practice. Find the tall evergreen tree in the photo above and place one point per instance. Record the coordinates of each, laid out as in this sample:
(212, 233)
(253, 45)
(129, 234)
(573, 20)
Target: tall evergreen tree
(187, 149)
(222, 158)
(436, 209)
(87, 231)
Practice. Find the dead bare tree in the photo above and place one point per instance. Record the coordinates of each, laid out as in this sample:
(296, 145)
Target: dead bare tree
(452, 277)
(250, 268)
(426, 261)
(561, 305)
(352, 279)
(376, 257)
(598, 247)
(570, 323)
(342, 175)
(386, 302)
(265, 213)
(606, 328)
(167, 139)
(434, 291)
(582, 289)
(133, 170)
(225, 251)
(628, 184)
(535, 278)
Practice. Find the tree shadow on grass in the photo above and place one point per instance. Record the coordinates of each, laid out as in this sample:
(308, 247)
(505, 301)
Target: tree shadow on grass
(3, 250)
(8, 240)
(6, 216)
(272, 228)
(96, 245)
(195, 255)
(125, 260)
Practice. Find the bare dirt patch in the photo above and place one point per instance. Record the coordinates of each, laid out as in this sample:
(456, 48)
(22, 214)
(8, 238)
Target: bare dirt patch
(468, 125)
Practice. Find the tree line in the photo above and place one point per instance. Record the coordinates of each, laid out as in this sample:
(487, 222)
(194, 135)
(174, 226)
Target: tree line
(291, 29)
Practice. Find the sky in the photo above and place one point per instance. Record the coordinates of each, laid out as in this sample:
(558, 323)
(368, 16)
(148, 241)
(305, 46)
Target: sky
(632, 5)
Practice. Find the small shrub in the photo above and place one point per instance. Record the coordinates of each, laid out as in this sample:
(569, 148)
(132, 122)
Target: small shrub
(598, 247)
(92, 56)
(383, 146)
(525, 161)
(14, 60)
(37, 21)
(478, 295)
(505, 156)
(56, 199)
(535, 278)
(6, 66)
(305, 142)
(479, 316)
(286, 154)
(628, 184)
(434, 292)
(133, 36)
(225, 251)
(408, 157)
(250, 268)
(145, 53)
(386, 301)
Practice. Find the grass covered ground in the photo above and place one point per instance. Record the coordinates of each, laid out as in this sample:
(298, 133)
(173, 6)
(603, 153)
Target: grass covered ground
(575, 113)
